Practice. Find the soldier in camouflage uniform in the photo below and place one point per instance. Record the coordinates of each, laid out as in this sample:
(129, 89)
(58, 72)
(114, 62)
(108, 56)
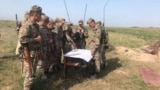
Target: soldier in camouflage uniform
(80, 35)
(51, 46)
(30, 39)
(104, 43)
(68, 41)
(96, 44)
(44, 61)
(59, 36)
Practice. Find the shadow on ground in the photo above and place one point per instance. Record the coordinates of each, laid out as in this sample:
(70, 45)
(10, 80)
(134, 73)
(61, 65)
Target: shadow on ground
(76, 75)
(8, 57)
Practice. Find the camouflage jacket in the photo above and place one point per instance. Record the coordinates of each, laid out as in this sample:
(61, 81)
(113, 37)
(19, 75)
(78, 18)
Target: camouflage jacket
(96, 38)
(83, 31)
(45, 37)
(68, 38)
(59, 36)
(28, 32)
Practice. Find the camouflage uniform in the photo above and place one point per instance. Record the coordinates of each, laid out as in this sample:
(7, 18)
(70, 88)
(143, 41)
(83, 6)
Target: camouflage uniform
(80, 36)
(43, 62)
(28, 32)
(59, 36)
(96, 45)
(51, 44)
(68, 41)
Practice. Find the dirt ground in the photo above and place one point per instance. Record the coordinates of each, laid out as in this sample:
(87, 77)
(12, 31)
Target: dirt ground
(136, 54)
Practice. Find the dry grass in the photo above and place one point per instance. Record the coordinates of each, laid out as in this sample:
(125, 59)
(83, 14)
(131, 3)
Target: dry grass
(121, 73)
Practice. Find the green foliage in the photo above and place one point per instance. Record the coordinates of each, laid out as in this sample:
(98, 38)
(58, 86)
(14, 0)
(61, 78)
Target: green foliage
(147, 34)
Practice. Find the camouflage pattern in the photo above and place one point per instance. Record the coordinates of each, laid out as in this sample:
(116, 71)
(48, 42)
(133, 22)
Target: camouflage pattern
(44, 48)
(80, 36)
(59, 36)
(96, 47)
(68, 41)
(29, 36)
(28, 32)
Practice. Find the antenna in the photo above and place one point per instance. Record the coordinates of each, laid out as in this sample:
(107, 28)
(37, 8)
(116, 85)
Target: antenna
(66, 10)
(104, 12)
(85, 12)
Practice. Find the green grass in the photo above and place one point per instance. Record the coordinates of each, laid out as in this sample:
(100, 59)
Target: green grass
(147, 34)
(121, 73)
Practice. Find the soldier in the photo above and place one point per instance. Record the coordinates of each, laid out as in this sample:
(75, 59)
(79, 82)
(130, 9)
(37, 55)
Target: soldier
(51, 46)
(30, 39)
(99, 23)
(68, 41)
(96, 44)
(80, 35)
(44, 61)
(59, 36)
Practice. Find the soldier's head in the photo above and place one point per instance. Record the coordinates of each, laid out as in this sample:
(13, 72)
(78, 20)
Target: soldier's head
(80, 23)
(68, 25)
(44, 20)
(99, 23)
(35, 12)
(91, 23)
(60, 22)
(50, 24)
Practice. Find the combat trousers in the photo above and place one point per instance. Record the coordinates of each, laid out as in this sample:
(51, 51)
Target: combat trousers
(99, 58)
(29, 75)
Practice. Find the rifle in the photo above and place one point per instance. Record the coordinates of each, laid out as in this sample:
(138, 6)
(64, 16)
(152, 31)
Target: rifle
(90, 42)
(16, 20)
(103, 42)
(17, 24)
(28, 59)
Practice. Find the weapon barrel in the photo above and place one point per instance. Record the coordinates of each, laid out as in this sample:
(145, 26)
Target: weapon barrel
(16, 20)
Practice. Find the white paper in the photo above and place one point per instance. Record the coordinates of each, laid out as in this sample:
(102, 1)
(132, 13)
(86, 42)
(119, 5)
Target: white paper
(80, 53)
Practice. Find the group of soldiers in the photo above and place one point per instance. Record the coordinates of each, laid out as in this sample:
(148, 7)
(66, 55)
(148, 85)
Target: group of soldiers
(43, 42)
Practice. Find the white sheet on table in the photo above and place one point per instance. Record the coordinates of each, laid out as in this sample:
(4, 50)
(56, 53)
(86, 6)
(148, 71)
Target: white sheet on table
(80, 53)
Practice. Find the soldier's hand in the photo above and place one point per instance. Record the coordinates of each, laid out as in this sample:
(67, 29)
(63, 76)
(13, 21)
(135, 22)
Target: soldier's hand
(92, 53)
(38, 38)
(78, 30)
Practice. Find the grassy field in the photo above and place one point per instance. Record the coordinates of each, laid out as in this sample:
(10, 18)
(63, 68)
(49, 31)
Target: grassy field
(121, 73)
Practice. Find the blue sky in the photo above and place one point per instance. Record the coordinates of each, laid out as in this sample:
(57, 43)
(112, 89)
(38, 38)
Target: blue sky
(119, 13)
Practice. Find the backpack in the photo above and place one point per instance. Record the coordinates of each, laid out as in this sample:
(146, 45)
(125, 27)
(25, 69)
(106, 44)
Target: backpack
(104, 36)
